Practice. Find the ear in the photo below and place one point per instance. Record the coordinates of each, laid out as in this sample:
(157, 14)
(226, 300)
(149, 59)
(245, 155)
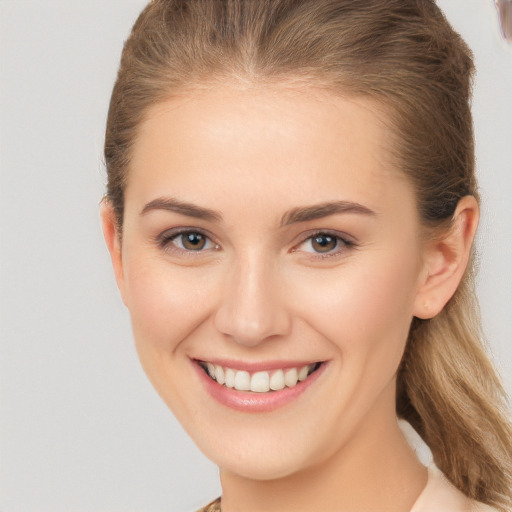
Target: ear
(445, 260)
(113, 241)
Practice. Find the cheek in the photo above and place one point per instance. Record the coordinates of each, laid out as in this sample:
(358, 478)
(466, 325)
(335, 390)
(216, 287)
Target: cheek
(364, 309)
(165, 304)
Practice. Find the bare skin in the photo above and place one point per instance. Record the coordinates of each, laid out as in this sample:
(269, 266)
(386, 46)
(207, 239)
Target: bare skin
(223, 258)
(342, 483)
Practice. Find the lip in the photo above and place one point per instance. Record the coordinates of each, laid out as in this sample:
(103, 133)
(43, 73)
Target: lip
(248, 401)
(253, 367)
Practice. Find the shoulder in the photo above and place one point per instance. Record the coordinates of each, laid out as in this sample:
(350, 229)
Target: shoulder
(214, 506)
(441, 494)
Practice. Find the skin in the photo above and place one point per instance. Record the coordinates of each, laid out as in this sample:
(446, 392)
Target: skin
(259, 292)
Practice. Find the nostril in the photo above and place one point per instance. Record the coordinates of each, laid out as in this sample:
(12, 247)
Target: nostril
(251, 308)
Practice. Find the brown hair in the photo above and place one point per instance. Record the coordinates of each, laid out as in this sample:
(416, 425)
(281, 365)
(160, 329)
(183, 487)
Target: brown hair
(404, 54)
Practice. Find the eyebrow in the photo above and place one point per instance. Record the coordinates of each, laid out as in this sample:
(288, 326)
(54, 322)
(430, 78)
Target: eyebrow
(190, 210)
(318, 211)
(293, 216)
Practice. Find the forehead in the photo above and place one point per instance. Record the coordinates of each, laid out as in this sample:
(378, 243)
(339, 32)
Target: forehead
(253, 143)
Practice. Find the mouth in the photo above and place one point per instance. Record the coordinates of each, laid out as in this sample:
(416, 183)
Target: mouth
(266, 381)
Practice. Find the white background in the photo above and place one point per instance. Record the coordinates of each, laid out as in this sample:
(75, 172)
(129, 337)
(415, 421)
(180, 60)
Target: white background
(81, 429)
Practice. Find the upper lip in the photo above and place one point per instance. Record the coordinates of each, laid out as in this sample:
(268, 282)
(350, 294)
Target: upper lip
(252, 366)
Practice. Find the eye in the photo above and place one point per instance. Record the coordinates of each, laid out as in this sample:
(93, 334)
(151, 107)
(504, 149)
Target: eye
(324, 243)
(186, 240)
(191, 241)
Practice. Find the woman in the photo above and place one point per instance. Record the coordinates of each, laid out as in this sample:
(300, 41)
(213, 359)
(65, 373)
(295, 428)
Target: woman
(290, 213)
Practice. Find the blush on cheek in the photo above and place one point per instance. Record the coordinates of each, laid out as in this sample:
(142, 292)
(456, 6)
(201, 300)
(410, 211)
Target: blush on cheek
(163, 311)
(365, 310)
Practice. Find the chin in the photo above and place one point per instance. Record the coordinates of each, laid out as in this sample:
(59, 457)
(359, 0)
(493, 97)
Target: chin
(255, 467)
(263, 453)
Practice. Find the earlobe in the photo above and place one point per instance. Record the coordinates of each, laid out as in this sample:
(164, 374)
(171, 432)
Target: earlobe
(113, 241)
(446, 259)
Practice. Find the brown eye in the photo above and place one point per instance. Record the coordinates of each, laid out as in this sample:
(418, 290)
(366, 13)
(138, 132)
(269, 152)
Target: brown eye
(186, 241)
(324, 242)
(193, 241)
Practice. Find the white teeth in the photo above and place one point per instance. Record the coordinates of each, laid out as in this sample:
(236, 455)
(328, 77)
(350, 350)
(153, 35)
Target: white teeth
(219, 374)
(211, 370)
(290, 377)
(258, 382)
(303, 373)
(277, 380)
(229, 376)
(242, 381)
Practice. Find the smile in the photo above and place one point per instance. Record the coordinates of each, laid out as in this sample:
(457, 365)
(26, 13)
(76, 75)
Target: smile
(254, 388)
(259, 381)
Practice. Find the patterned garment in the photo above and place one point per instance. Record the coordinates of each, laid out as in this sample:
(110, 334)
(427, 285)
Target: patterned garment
(214, 506)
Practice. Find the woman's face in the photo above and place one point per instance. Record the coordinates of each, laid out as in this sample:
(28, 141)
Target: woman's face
(267, 237)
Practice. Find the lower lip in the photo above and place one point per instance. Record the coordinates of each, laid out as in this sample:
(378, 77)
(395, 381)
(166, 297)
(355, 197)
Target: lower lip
(247, 401)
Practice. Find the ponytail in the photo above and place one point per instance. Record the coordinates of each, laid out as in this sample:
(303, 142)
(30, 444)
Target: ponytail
(450, 393)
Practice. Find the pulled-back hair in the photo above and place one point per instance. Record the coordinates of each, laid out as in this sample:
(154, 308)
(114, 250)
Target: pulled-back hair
(405, 55)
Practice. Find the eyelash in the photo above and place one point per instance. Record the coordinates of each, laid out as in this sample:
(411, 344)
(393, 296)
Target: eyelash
(167, 238)
(342, 244)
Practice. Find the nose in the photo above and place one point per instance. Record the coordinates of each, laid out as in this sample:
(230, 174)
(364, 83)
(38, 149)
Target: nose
(252, 308)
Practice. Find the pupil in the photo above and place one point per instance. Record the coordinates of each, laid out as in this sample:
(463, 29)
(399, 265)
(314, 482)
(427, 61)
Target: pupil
(193, 241)
(324, 243)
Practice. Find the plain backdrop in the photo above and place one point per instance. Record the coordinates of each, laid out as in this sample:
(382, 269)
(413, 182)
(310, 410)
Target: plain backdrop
(81, 429)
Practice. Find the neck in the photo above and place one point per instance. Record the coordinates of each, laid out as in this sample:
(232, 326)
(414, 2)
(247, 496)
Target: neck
(376, 470)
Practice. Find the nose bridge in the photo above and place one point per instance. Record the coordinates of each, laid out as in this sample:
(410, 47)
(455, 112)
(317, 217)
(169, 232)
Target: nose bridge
(252, 308)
